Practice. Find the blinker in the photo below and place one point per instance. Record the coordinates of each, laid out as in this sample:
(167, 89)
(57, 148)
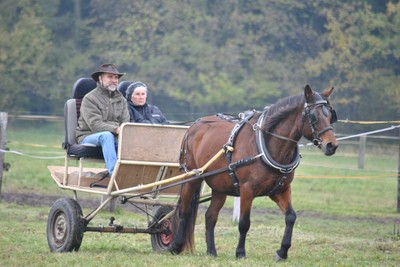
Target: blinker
(333, 116)
(325, 110)
(313, 116)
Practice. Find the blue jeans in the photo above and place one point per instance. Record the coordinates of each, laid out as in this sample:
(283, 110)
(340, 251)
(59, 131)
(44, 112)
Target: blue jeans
(109, 146)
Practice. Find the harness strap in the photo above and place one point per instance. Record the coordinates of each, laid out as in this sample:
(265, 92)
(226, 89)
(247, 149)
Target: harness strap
(235, 181)
(233, 166)
(231, 141)
(278, 185)
(235, 131)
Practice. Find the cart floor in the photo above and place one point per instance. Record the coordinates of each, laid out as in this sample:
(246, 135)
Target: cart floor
(88, 177)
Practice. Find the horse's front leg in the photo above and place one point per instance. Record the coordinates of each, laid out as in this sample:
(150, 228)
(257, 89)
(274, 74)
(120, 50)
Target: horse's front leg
(244, 223)
(284, 202)
(211, 216)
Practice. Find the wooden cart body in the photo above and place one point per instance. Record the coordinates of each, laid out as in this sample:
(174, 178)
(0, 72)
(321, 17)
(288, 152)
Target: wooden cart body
(147, 158)
(146, 172)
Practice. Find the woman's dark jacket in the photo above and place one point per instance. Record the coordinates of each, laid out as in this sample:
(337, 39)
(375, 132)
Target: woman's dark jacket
(146, 114)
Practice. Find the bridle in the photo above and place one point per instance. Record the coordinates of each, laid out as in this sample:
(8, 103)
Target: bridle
(310, 111)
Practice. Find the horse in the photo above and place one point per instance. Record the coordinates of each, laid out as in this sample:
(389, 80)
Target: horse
(266, 153)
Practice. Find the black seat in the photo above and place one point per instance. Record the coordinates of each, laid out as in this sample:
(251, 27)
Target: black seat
(71, 115)
(123, 86)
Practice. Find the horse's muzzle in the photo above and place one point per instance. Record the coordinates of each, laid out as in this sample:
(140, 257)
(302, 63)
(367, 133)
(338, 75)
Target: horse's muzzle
(329, 148)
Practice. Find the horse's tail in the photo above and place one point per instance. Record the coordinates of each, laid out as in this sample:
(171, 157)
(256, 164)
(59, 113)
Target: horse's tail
(185, 223)
(182, 154)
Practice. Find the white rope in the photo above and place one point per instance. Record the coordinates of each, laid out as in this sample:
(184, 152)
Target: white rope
(361, 134)
(308, 144)
(30, 156)
(371, 132)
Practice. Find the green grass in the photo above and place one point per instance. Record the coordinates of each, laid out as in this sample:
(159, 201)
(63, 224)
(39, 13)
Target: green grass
(28, 172)
(317, 241)
(340, 222)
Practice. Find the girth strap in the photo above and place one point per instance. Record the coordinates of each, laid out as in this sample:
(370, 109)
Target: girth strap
(278, 185)
(233, 166)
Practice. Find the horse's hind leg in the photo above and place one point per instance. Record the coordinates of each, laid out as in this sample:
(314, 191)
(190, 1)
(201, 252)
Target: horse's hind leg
(284, 202)
(217, 202)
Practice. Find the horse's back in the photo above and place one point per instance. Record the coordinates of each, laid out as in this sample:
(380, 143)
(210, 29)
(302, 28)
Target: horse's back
(206, 137)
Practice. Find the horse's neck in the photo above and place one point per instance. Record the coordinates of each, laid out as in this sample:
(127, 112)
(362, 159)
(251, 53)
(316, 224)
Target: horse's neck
(283, 140)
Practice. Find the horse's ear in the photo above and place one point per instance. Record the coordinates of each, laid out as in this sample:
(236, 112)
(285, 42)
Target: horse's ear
(308, 94)
(327, 92)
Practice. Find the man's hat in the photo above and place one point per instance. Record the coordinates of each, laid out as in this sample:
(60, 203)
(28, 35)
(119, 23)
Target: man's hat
(106, 68)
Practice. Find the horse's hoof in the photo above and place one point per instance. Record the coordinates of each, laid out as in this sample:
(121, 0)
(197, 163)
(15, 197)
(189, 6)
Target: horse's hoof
(174, 251)
(212, 253)
(240, 255)
(278, 258)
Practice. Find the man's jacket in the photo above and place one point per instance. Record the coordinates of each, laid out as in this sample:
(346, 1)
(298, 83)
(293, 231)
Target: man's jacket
(101, 110)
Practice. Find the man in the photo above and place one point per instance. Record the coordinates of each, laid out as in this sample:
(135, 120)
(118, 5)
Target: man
(103, 110)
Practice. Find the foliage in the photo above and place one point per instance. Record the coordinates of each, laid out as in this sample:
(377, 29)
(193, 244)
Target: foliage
(205, 56)
(362, 58)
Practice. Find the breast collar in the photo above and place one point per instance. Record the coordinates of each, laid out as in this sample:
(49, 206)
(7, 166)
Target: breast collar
(265, 155)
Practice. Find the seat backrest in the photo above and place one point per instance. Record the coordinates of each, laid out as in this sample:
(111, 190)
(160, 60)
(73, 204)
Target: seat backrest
(123, 86)
(80, 89)
(70, 122)
(72, 108)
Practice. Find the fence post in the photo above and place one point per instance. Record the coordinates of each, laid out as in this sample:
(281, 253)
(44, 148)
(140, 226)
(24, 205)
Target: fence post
(398, 179)
(361, 151)
(3, 141)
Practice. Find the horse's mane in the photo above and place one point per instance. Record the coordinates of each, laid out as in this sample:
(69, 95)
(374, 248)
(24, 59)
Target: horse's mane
(281, 110)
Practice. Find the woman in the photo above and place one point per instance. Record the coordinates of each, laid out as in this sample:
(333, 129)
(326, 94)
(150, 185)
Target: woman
(139, 110)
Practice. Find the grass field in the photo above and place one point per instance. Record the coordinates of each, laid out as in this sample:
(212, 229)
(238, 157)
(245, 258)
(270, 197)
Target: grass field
(346, 216)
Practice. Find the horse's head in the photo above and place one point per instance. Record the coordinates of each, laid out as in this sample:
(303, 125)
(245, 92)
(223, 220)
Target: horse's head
(320, 115)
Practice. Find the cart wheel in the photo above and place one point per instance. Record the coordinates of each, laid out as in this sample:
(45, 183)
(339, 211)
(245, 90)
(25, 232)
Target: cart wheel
(160, 242)
(65, 226)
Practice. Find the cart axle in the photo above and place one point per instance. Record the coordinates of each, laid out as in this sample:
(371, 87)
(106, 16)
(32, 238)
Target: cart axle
(125, 230)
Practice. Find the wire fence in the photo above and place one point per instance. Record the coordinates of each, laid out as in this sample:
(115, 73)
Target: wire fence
(357, 141)
(341, 137)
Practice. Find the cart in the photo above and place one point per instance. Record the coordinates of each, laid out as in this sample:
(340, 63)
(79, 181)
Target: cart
(147, 172)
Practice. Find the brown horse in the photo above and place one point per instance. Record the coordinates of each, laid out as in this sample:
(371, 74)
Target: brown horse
(265, 155)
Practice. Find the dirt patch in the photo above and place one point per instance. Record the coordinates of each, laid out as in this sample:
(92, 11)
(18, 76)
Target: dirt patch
(37, 200)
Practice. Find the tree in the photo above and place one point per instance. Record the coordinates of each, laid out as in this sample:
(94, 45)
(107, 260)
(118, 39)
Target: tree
(205, 56)
(23, 59)
(37, 64)
(361, 58)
